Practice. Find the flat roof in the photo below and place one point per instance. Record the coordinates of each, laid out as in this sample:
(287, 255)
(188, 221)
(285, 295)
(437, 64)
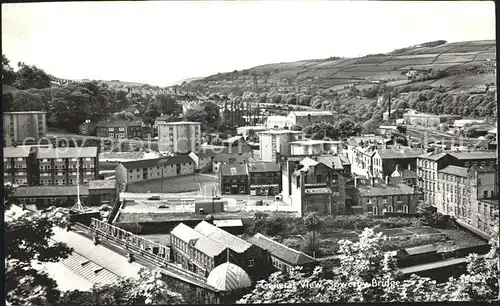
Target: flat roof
(313, 142)
(10, 152)
(181, 123)
(102, 184)
(49, 191)
(67, 152)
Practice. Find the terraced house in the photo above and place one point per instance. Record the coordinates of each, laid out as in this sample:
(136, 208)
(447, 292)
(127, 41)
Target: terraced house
(148, 169)
(59, 166)
(120, 129)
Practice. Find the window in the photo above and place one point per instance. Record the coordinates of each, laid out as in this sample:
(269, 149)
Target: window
(467, 164)
(251, 262)
(485, 193)
(111, 135)
(405, 209)
(111, 129)
(375, 210)
(121, 129)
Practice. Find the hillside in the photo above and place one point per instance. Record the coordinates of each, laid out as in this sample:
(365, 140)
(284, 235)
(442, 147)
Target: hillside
(434, 63)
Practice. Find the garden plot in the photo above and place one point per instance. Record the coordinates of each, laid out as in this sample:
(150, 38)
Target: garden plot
(455, 58)
(469, 48)
(444, 48)
(424, 230)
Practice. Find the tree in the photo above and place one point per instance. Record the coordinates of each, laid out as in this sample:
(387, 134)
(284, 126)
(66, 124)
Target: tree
(31, 77)
(167, 104)
(312, 222)
(27, 242)
(8, 74)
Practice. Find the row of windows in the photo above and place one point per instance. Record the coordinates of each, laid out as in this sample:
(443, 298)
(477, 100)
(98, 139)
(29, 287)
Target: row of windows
(389, 208)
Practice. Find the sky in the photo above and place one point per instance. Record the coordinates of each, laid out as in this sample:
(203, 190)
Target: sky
(161, 42)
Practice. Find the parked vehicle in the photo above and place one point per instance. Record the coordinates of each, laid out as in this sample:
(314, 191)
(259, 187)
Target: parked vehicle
(154, 198)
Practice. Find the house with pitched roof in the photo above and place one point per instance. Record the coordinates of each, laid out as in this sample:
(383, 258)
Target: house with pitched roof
(264, 178)
(281, 257)
(385, 161)
(305, 118)
(148, 169)
(233, 179)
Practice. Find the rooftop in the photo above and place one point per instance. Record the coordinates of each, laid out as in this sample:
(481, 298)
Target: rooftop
(312, 113)
(281, 251)
(322, 190)
(279, 132)
(228, 223)
(67, 152)
(182, 123)
(433, 156)
(332, 162)
(428, 248)
(490, 201)
(208, 246)
(263, 167)
(454, 170)
(185, 233)
(118, 123)
(222, 237)
(102, 184)
(399, 153)
(233, 170)
(9, 152)
(156, 162)
(384, 190)
(314, 142)
(228, 277)
(475, 155)
(49, 191)
(161, 216)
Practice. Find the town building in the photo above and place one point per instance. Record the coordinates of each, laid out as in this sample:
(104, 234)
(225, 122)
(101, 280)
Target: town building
(102, 192)
(278, 122)
(281, 257)
(466, 194)
(234, 179)
(18, 165)
(305, 118)
(462, 122)
(224, 159)
(203, 160)
(314, 184)
(163, 119)
(233, 141)
(46, 196)
(23, 127)
(276, 143)
(264, 178)
(246, 131)
(59, 166)
(120, 129)
(385, 161)
(155, 168)
(431, 120)
(377, 198)
(428, 165)
(179, 137)
(316, 147)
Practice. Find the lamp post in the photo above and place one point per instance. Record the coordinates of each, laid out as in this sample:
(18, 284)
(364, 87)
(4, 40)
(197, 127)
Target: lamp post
(161, 164)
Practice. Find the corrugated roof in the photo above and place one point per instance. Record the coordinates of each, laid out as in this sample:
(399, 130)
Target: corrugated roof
(67, 152)
(222, 237)
(454, 170)
(49, 191)
(475, 155)
(89, 270)
(383, 190)
(9, 152)
(228, 277)
(395, 153)
(185, 233)
(156, 162)
(263, 167)
(233, 170)
(102, 184)
(281, 251)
